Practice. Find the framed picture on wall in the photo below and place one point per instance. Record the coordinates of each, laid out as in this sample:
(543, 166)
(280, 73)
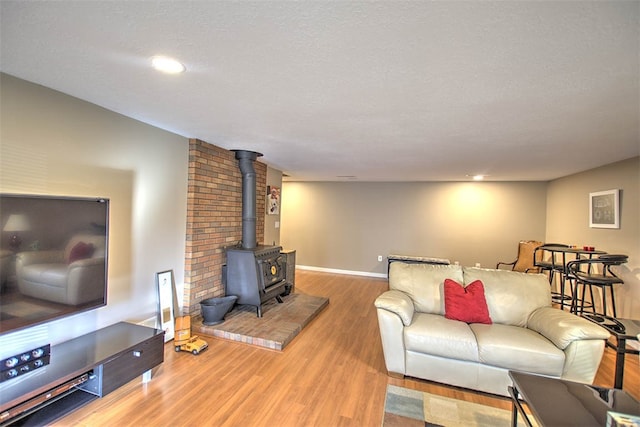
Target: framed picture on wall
(604, 209)
(273, 200)
(165, 283)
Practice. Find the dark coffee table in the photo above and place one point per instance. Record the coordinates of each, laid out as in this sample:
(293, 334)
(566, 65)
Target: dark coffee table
(622, 330)
(555, 402)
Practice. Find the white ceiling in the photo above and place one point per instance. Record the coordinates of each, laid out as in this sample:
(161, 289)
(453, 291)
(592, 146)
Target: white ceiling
(383, 91)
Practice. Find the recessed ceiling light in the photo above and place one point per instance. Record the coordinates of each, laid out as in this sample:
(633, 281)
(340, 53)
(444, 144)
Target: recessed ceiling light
(477, 177)
(167, 65)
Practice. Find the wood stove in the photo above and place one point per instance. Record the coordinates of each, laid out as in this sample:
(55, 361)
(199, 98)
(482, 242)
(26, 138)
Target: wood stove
(254, 273)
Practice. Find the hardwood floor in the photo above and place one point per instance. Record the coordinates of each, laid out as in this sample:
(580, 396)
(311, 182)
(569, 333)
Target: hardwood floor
(332, 374)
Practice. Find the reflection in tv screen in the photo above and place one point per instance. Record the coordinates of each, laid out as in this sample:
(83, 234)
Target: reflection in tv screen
(53, 258)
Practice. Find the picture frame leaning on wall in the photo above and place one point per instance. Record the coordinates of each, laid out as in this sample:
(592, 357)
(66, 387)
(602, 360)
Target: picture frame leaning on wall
(165, 285)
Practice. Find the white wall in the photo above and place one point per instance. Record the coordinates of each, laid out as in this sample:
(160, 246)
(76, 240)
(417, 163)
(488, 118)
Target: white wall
(51, 143)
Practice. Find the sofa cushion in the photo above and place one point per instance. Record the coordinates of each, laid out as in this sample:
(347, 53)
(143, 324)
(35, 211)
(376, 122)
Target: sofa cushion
(435, 335)
(511, 296)
(466, 304)
(516, 348)
(424, 283)
(52, 274)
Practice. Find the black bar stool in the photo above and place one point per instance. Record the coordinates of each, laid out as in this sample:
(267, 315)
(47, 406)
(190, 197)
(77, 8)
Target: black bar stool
(554, 266)
(549, 265)
(585, 275)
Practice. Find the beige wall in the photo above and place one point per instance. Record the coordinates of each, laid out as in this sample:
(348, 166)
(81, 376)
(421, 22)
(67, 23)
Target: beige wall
(346, 225)
(51, 143)
(568, 221)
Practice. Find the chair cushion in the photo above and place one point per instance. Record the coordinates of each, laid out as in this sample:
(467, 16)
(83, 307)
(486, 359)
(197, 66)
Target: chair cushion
(466, 304)
(424, 283)
(436, 335)
(526, 250)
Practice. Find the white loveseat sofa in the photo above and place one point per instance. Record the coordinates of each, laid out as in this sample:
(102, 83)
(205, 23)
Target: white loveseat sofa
(59, 276)
(527, 333)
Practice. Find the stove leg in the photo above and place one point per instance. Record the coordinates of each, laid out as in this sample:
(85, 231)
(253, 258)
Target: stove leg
(259, 310)
(279, 299)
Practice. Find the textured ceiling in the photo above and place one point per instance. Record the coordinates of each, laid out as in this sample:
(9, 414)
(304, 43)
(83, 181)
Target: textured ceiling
(381, 91)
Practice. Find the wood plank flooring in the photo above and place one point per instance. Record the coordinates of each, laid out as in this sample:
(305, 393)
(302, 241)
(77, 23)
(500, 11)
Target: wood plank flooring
(332, 374)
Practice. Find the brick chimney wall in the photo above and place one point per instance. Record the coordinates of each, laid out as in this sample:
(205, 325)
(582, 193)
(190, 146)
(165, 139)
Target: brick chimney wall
(214, 218)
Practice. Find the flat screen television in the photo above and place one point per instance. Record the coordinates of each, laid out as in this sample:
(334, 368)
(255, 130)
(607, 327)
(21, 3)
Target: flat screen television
(53, 258)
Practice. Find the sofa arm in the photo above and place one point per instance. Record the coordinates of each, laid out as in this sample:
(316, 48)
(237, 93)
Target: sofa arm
(582, 360)
(562, 328)
(395, 311)
(397, 302)
(85, 281)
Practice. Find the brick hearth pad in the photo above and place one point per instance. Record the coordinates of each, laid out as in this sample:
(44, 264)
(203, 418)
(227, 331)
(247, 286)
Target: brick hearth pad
(278, 326)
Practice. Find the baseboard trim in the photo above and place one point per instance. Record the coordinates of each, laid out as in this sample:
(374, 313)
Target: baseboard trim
(148, 320)
(338, 271)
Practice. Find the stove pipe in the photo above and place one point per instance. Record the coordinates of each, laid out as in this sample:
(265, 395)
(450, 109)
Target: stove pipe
(245, 161)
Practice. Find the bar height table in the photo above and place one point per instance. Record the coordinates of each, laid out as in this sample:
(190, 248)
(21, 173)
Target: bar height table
(561, 266)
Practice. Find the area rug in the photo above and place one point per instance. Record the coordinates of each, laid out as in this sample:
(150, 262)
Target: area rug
(278, 326)
(405, 407)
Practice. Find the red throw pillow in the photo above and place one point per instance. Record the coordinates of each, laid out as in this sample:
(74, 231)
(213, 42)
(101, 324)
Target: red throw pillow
(465, 304)
(81, 250)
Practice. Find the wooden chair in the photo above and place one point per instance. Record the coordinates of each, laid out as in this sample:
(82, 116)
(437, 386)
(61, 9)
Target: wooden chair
(524, 262)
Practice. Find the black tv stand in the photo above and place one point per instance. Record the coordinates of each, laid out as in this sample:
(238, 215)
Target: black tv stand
(81, 370)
